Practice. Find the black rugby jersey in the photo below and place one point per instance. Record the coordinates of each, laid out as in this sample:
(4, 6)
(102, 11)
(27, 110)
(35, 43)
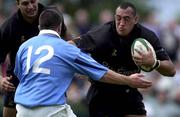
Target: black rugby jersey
(114, 51)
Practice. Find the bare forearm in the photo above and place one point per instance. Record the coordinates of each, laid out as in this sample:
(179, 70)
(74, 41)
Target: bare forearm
(166, 68)
(134, 80)
(115, 78)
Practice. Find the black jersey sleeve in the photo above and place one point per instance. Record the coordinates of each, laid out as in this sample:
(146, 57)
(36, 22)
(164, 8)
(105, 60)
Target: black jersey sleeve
(85, 42)
(160, 51)
(96, 38)
(5, 43)
(155, 42)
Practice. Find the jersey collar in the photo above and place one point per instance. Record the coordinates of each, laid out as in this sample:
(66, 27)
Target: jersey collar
(45, 31)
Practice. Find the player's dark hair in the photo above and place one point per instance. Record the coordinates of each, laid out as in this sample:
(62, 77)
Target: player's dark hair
(125, 5)
(63, 27)
(50, 19)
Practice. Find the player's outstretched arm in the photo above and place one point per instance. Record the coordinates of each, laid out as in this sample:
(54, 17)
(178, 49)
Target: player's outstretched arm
(135, 80)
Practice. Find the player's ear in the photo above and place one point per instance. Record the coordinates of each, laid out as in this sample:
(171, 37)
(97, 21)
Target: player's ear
(136, 19)
(39, 27)
(60, 28)
(17, 2)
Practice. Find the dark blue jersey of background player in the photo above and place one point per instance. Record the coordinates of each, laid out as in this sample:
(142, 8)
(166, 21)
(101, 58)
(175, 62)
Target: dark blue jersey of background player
(110, 45)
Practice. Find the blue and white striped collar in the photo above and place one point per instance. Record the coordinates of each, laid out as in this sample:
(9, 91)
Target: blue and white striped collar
(45, 31)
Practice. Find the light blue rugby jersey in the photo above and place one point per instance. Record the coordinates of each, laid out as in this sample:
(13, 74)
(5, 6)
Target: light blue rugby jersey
(45, 66)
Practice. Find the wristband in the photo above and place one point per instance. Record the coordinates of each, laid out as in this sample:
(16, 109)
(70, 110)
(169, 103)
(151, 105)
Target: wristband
(157, 64)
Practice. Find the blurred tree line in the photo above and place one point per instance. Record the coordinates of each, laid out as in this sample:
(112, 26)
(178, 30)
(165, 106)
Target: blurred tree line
(95, 6)
(92, 6)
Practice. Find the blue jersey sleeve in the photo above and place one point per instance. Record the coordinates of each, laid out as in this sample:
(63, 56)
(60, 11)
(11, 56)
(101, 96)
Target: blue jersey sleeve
(88, 66)
(17, 68)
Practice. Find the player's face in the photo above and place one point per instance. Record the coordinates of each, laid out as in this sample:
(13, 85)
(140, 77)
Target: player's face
(28, 8)
(125, 21)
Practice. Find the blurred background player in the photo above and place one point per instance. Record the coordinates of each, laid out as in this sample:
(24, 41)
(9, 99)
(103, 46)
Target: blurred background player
(19, 27)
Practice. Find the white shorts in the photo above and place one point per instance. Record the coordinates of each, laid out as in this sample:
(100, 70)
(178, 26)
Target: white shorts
(45, 111)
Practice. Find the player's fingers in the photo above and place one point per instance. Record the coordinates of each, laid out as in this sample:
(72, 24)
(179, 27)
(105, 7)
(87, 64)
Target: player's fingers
(148, 48)
(8, 87)
(9, 78)
(140, 53)
(137, 59)
(141, 75)
(147, 82)
(7, 82)
(138, 62)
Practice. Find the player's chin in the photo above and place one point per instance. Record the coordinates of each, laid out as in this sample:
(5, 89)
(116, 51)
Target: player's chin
(31, 15)
(122, 33)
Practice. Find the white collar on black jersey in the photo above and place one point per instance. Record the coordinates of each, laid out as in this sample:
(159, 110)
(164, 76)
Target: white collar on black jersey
(45, 31)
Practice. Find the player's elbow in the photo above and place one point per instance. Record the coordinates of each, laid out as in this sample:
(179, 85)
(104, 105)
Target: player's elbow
(172, 73)
(168, 69)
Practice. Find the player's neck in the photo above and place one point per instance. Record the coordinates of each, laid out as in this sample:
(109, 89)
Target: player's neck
(30, 20)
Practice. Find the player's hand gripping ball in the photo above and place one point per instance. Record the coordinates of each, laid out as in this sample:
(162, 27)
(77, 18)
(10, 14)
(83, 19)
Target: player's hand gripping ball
(142, 46)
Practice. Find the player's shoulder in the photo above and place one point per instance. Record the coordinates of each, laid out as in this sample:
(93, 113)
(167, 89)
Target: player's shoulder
(67, 46)
(144, 30)
(10, 22)
(67, 51)
(147, 33)
(29, 42)
(99, 33)
(102, 27)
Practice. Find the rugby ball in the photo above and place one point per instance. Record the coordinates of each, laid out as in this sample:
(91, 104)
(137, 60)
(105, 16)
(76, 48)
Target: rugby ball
(142, 45)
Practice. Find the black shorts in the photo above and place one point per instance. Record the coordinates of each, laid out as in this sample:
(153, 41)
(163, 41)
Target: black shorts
(115, 101)
(9, 97)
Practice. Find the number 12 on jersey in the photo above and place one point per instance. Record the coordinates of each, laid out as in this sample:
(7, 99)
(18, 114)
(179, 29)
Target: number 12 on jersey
(36, 65)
